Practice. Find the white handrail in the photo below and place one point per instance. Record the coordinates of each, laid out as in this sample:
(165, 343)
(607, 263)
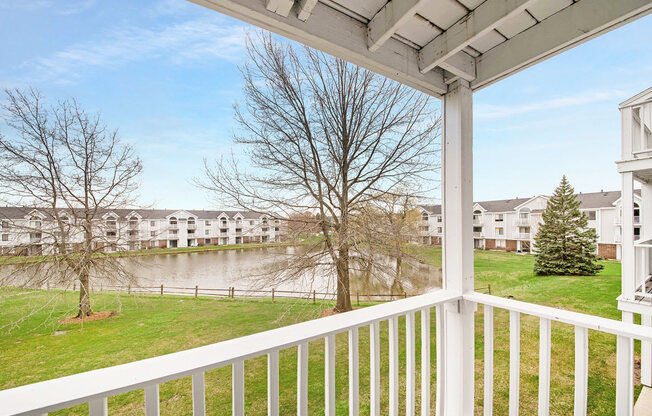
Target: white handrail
(610, 326)
(60, 393)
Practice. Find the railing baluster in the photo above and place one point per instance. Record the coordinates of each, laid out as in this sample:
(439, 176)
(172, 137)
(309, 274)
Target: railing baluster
(272, 383)
(624, 376)
(354, 384)
(441, 361)
(329, 354)
(514, 361)
(302, 380)
(393, 366)
(237, 388)
(198, 395)
(581, 369)
(151, 400)
(374, 368)
(98, 407)
(410, 370)
(488, 360)
(425, 362)
(544, 366)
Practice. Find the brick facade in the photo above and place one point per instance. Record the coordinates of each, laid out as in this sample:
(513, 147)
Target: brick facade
(607, 251)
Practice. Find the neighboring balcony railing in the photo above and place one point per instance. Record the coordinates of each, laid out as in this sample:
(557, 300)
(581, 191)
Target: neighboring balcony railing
(619, 220)
(94, 387)
(173, 226)
(477, 233)
(523, 236)
(192, 226)
(477, 221)
(522, 221)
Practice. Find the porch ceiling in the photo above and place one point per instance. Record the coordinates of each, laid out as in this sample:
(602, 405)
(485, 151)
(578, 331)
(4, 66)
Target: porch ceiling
(429, 43)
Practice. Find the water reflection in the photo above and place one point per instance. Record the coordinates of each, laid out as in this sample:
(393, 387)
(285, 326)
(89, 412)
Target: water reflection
(249, 269)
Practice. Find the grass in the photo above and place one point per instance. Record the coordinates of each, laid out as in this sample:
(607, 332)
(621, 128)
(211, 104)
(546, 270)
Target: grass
(150, 325)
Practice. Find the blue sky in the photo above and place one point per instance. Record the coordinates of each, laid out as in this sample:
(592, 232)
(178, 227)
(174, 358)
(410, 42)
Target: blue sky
(165, 73)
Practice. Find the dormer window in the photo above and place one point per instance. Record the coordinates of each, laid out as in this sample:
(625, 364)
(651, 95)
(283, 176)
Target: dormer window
(173, 221)
(111, 223)
(424, 216)
(35, 222)
(133, 221)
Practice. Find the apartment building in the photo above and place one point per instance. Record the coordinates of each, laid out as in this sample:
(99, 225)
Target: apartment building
(25, 230)
(512, 224)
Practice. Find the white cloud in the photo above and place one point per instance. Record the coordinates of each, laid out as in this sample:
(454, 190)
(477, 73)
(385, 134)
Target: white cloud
(181, 43)
(490, 111)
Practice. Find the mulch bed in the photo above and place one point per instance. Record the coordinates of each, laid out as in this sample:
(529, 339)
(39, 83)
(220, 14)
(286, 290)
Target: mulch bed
(329, 312)
(95, 316)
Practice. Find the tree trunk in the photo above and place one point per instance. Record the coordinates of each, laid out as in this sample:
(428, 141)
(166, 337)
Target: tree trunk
(84, 296)
(343, 289)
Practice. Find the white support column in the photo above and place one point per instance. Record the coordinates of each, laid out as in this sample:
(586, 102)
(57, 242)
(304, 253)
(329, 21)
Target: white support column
(457, 201)
(646, 234)
(628, 265)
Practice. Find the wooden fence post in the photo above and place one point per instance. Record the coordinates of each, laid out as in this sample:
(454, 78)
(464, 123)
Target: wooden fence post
(129, 290)
(196, 290)
(161, 289)
(357, 299)
(404, 295)
(314, 297)
(74, 286)
(272, 295)
(489, 289)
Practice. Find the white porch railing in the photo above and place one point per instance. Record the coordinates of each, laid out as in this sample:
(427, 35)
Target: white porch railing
(94, 387)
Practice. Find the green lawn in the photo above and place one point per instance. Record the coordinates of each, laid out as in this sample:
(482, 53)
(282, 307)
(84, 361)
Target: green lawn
(150, 325)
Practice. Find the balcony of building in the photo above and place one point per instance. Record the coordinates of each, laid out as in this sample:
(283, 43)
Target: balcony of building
(522, 221)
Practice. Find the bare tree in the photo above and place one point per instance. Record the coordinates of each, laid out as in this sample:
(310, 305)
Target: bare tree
(66, 171)
(323, 135)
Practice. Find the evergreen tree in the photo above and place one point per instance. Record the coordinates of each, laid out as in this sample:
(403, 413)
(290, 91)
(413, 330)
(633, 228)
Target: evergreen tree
(564, 243)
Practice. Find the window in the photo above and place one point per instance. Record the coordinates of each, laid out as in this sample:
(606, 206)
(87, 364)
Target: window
(64, 219)
(152, 223)
(111, 223)
(223, 222)
(265, 229)
(251, 223)
(191, 231)
(35, 236)
(5, 224)
(35, 222)
(424, 216)
(500, 244)
(133, 233)
(498, 218)
(174, 232)
(173, 221)
(207, 232)
(500, 231)
(133, 221)
(591, 215)
(110, 233)
(265, 221)
(439, 230)
(5, 237)
(152, 233)
(207, 240)
(191, 221)
(207, 223)
(275, 228)
(439, 219)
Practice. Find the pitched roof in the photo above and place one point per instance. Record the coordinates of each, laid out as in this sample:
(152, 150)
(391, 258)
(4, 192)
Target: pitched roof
(591, 200)
(146, 214)
(502, 205)
(432, 209)
(640, 98)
